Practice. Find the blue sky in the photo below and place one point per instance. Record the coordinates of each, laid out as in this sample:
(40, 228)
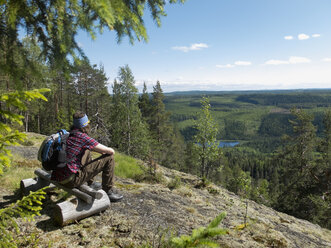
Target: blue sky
(226, 45)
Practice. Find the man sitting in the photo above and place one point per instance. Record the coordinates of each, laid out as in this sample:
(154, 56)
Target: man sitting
(80, 168)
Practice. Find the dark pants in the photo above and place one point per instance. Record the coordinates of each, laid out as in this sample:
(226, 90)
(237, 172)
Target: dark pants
(90, 169)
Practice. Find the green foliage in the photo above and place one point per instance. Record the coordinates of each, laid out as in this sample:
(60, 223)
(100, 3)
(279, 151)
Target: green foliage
(159, 125)
(290, 174)
(174, 183)
(275, 125)
(203, 183)
(127, 167)
(235, 129)
(9, 136)
(129, 132)
(145, 104)
(167, 144)
(55, 24)
(150, 175)
(213, 191)
(28, 207)
(289, 100)
(206, 137)
(201, 237)
(304, 176)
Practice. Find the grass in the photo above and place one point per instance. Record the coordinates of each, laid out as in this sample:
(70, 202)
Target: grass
(127, 167)
(20, 168)
(13, 175)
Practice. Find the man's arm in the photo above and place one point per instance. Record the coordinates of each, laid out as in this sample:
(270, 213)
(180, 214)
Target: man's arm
(103, 149)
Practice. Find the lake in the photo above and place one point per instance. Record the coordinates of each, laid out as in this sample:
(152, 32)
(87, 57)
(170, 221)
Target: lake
(228, 143)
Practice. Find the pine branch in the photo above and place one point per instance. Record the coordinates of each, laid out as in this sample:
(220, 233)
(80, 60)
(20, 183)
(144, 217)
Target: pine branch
(27, 208)
(201, 237)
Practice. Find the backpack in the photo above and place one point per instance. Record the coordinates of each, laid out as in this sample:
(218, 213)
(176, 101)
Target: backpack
(52, 152)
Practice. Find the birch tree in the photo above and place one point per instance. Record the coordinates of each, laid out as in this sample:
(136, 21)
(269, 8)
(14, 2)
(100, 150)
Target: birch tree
(206, 138)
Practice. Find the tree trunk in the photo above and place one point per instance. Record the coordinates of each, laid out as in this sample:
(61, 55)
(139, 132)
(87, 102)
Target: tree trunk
(56, 107)
(26, 119)
(38, 119)
(203, 161)
(61, 92)
(86, 94)
(129, 135)
(68, 104)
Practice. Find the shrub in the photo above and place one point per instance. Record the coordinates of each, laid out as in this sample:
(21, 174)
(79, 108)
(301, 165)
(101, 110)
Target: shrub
(174, 183)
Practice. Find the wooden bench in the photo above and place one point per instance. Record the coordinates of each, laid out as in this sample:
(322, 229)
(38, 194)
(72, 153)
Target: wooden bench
(87, 202)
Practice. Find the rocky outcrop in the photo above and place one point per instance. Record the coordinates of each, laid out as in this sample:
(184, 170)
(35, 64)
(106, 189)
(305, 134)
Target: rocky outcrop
(152, 211)
(149, 213)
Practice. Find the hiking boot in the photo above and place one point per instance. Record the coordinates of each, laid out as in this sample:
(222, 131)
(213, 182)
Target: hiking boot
(95, 185)
(113, 197)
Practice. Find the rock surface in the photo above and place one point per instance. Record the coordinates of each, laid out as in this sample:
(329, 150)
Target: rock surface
(150, 212)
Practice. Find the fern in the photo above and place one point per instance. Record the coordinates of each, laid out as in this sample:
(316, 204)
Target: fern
(28, 207)
(201, 237)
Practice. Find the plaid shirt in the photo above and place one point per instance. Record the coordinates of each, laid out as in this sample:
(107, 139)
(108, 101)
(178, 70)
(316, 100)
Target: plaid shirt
(77, 144)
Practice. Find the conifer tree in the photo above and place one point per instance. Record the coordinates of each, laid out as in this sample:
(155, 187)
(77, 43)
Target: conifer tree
(298, 165)
(168, 145)
(321, 200)
(159, 124)
(326, 143)
(192, 164)
(55, 23)
(129, 132)
(145, 104)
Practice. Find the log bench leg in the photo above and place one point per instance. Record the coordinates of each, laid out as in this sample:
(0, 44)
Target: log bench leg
(76, 209)
(34, 184)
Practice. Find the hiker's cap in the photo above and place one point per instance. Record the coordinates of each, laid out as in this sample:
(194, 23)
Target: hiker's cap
(81, 122)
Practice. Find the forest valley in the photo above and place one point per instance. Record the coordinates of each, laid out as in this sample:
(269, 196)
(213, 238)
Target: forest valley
(285, 163)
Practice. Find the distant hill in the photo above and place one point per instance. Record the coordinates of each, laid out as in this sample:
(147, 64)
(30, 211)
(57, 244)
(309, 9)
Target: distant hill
(197, 92)
(241, 114)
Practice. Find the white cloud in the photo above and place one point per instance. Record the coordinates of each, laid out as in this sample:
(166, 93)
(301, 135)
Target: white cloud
(298, 60)
(327, 59)
(303, 37)
(193, 47)
(244, 63)
(288, 37)
(316, 35)
(237, 63)
(198, 46)
(181, 48)
(277, 62)
(252, 78)
(291, 60)
(225, 66)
